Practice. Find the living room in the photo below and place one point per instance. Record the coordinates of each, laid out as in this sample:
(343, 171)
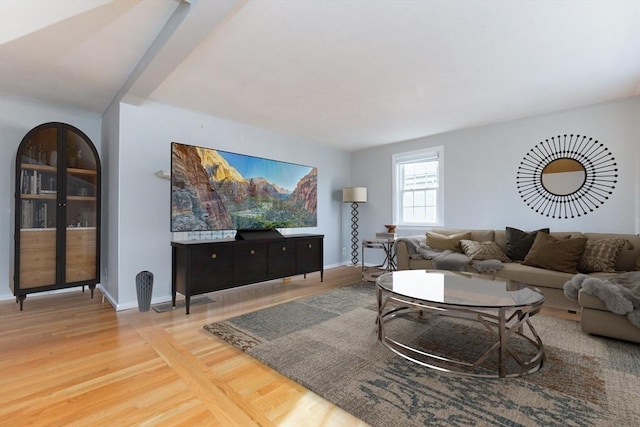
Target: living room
(480, 163)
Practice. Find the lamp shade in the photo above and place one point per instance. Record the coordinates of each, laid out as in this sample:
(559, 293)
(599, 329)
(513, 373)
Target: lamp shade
(354, 194)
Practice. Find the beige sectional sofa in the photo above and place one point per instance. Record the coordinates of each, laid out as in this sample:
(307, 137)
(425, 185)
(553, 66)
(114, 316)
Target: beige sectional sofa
(597, 319)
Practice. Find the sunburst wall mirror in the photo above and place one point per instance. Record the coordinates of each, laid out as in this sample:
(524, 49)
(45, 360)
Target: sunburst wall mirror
(567, 176)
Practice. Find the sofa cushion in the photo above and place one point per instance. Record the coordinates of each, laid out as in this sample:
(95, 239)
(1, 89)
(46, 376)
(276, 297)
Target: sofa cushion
(534, 276)
(519, 242)
(477, 235)
(600, 255)
(443, 242)
(482, 250)
(554, 254)
(630, 251)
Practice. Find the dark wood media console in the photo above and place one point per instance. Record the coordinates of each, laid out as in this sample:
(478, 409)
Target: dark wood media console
(201, 266)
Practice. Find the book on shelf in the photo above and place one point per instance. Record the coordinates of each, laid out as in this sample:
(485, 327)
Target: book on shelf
(32, 182)
(27, 214)
(35, 214)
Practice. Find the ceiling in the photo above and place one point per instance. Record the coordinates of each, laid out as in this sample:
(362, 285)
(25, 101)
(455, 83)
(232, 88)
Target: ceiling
(351, 74)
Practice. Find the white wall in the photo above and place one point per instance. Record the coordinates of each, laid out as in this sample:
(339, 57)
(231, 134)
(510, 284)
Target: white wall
(17, 117)
(143, 236)
(110, 185)
(480, 171)
(480, 167)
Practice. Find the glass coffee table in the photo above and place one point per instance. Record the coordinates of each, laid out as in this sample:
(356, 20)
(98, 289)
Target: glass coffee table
(501, 308)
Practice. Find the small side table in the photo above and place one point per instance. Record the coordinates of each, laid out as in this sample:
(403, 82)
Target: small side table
(389, 263)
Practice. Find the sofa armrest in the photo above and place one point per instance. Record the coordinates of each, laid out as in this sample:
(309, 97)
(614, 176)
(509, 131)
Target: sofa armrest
(402, 255)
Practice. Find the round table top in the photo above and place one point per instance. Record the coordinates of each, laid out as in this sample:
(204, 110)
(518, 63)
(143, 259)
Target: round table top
(459, 289)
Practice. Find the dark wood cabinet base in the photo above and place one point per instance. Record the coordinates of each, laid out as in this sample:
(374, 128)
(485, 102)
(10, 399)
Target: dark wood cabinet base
(201, 266)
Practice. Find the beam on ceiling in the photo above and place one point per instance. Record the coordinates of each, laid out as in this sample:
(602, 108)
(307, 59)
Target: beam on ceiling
(190, 24)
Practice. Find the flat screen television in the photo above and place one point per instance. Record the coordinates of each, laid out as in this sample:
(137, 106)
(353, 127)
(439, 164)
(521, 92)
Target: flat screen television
(218, 190)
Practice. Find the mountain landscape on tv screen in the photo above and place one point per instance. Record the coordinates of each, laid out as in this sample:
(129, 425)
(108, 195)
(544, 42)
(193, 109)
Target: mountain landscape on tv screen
(209, 193)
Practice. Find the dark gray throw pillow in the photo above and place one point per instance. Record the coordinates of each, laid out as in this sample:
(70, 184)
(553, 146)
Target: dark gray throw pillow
(519, 242)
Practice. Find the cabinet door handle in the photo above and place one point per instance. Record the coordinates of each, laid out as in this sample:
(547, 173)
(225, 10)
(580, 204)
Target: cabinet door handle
(310, 245)
(214, 256)
(284, 248)
(252, 252)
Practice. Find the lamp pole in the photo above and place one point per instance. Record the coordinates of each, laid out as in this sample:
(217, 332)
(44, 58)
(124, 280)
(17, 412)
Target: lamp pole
(354, 233)
(354, 195)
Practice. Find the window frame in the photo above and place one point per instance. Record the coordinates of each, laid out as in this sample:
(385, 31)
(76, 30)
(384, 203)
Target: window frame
(404, 158)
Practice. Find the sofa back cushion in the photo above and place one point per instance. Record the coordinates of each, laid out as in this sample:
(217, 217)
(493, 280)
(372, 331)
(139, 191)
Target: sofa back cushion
(444, 242)
(556, 254)
(480, 251)
(600, 255)
(628, 256)
(519, 242)
(477, 235)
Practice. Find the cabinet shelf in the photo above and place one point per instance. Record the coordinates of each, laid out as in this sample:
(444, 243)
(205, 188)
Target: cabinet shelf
(47, 168)
(82, 198)
(76, 171)
(51, 196)
(38, 167)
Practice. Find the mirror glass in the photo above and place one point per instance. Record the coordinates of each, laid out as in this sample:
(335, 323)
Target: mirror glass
(563, 176)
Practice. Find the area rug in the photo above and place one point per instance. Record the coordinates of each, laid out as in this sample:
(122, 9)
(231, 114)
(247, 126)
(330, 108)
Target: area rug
(328, 344)
(168, 306)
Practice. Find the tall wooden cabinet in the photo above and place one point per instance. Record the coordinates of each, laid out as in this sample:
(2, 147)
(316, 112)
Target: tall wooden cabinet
(57, 211)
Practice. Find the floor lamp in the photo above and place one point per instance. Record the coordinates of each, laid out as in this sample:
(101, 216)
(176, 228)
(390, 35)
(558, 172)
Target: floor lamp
(354, 195)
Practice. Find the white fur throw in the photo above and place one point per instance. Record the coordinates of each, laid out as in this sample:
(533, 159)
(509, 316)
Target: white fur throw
(413, 243)
(620, 293)
(453, 261)
(487, 265)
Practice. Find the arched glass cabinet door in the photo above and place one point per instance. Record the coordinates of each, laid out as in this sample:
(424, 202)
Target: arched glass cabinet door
(57, 211)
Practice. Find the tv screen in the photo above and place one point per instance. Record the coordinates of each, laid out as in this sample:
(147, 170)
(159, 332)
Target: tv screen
(218, 190)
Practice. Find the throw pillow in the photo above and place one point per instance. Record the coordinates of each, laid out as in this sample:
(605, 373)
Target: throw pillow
(442, 242)
(600, 255)
(478, 251)
(554, 254)
(519, 242)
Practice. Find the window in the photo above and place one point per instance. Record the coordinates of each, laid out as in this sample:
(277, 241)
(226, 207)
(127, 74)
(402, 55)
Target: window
(417, 188)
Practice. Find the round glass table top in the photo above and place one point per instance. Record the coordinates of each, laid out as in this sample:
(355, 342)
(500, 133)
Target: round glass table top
(458, 288)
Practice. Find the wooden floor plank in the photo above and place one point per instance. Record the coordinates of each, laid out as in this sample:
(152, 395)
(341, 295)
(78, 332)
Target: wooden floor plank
(68, 359)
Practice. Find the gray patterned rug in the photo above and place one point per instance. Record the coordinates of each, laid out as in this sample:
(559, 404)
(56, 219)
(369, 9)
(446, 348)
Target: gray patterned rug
(328, 344)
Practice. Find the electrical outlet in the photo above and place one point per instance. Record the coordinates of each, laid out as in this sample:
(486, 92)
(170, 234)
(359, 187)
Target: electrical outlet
(344, 251)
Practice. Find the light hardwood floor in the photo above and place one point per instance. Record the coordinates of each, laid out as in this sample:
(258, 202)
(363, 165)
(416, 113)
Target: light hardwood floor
(69, 360)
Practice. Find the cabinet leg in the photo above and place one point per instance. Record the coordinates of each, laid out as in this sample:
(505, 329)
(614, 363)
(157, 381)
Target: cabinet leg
(21, 299)
(187, 299)
(91, 288)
